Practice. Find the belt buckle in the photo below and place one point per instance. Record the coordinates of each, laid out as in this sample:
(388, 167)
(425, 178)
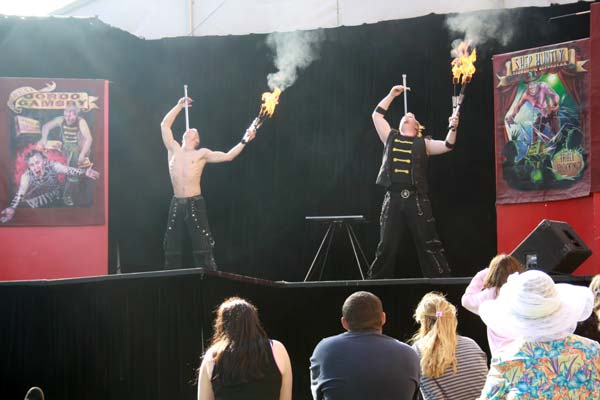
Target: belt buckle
(405, 193)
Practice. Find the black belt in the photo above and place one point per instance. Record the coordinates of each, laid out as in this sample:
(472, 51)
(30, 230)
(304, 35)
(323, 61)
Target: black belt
(183, 200)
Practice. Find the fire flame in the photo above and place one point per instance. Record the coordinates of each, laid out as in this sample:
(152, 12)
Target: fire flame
(270, 101)
(462, 66)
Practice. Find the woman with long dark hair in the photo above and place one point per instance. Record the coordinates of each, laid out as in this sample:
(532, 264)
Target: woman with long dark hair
(242, 362)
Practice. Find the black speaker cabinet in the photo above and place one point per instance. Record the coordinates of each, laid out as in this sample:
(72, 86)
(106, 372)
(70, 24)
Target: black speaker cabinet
(552, 247)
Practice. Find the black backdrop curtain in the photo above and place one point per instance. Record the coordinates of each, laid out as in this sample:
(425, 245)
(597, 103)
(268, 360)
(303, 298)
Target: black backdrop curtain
(319, 155)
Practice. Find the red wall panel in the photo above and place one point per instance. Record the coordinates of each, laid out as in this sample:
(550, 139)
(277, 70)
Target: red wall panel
(516, 221)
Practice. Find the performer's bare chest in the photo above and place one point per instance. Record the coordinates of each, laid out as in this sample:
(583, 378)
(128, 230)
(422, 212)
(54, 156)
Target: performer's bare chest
(184, 163)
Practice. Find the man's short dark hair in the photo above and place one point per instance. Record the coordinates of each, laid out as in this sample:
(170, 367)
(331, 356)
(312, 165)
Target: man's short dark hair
(362, 311)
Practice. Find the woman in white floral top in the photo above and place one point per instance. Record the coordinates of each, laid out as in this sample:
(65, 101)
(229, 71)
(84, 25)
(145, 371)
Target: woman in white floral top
(546, 360)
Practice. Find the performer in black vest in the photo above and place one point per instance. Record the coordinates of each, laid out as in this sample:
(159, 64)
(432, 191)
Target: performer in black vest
(406, 207)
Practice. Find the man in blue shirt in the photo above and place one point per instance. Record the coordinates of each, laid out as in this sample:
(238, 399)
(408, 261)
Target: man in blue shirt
(363, 363)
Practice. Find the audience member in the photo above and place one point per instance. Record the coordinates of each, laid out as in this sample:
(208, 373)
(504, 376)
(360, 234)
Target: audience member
(546, 360)
(486, 285)
(590, 328)
(363, 363)
(242, 363)
(452, 366)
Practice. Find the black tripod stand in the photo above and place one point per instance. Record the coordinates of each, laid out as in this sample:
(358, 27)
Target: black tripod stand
(343, 222)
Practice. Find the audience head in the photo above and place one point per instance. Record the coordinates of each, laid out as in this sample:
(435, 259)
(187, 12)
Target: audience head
(237, 320)
(240, 345)
(500, 268)
(531, 306)
(362, 311)
(436, 337)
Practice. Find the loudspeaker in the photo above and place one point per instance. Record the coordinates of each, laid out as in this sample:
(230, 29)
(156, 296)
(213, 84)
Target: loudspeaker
(552, 247)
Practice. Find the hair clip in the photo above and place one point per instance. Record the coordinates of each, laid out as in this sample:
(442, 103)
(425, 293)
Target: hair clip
(438, 314)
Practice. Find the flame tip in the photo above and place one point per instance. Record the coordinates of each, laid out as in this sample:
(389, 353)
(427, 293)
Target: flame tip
(463, 66)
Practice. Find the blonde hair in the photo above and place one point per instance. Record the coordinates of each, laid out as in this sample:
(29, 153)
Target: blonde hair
(436, 337)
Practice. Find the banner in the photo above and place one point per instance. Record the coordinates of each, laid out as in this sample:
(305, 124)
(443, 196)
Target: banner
(52, 152)
(541, 116)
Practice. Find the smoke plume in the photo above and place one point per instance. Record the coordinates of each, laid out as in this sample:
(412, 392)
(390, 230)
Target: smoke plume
(482, 26)
(294, 51)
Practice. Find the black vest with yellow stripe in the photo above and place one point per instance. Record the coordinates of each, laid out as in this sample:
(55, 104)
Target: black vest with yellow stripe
(404, 162)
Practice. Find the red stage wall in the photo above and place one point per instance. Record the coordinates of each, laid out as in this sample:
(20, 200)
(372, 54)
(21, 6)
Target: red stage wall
(58, 252)
(516, 221)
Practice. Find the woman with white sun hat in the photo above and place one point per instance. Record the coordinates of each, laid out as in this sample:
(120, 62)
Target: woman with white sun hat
(546, 360)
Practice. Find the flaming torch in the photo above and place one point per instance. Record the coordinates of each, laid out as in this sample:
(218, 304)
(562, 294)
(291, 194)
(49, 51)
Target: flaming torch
(267, 108)
(463, 69)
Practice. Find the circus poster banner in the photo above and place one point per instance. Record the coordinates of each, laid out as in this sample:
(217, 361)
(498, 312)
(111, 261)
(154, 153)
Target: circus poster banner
(52, 135)
(541, 100)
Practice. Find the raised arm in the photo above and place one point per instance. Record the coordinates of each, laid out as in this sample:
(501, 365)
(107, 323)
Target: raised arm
(167, 123)
(219, 156)
(435, 147)
(87, 140)
(475, 294)
(381, 125)
(48, 126)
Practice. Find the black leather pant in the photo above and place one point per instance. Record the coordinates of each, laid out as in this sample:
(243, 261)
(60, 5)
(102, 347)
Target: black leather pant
(188, 214)
(402, 217)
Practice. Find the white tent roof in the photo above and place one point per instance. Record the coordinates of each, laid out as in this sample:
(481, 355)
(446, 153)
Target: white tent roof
(168, 18)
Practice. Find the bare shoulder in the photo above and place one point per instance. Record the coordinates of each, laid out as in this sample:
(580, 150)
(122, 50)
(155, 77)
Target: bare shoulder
(429, 141)
(280, 354)
(175, 147)
(203, 152)
(277, 345)
(208, 361)
(279, 350)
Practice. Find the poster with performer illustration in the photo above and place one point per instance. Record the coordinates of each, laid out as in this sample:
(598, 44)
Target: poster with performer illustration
(52, 135)
(542, 136)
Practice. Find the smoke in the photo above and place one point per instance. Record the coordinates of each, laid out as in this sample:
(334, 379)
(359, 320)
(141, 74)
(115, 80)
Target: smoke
(482, 26)
(294, 51)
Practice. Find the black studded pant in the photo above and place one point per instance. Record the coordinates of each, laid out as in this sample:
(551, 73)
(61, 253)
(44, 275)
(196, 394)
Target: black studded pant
(401, 218)
(188, 215)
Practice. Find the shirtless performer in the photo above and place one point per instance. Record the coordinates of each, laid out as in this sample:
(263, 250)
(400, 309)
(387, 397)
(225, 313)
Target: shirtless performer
(188, 210)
